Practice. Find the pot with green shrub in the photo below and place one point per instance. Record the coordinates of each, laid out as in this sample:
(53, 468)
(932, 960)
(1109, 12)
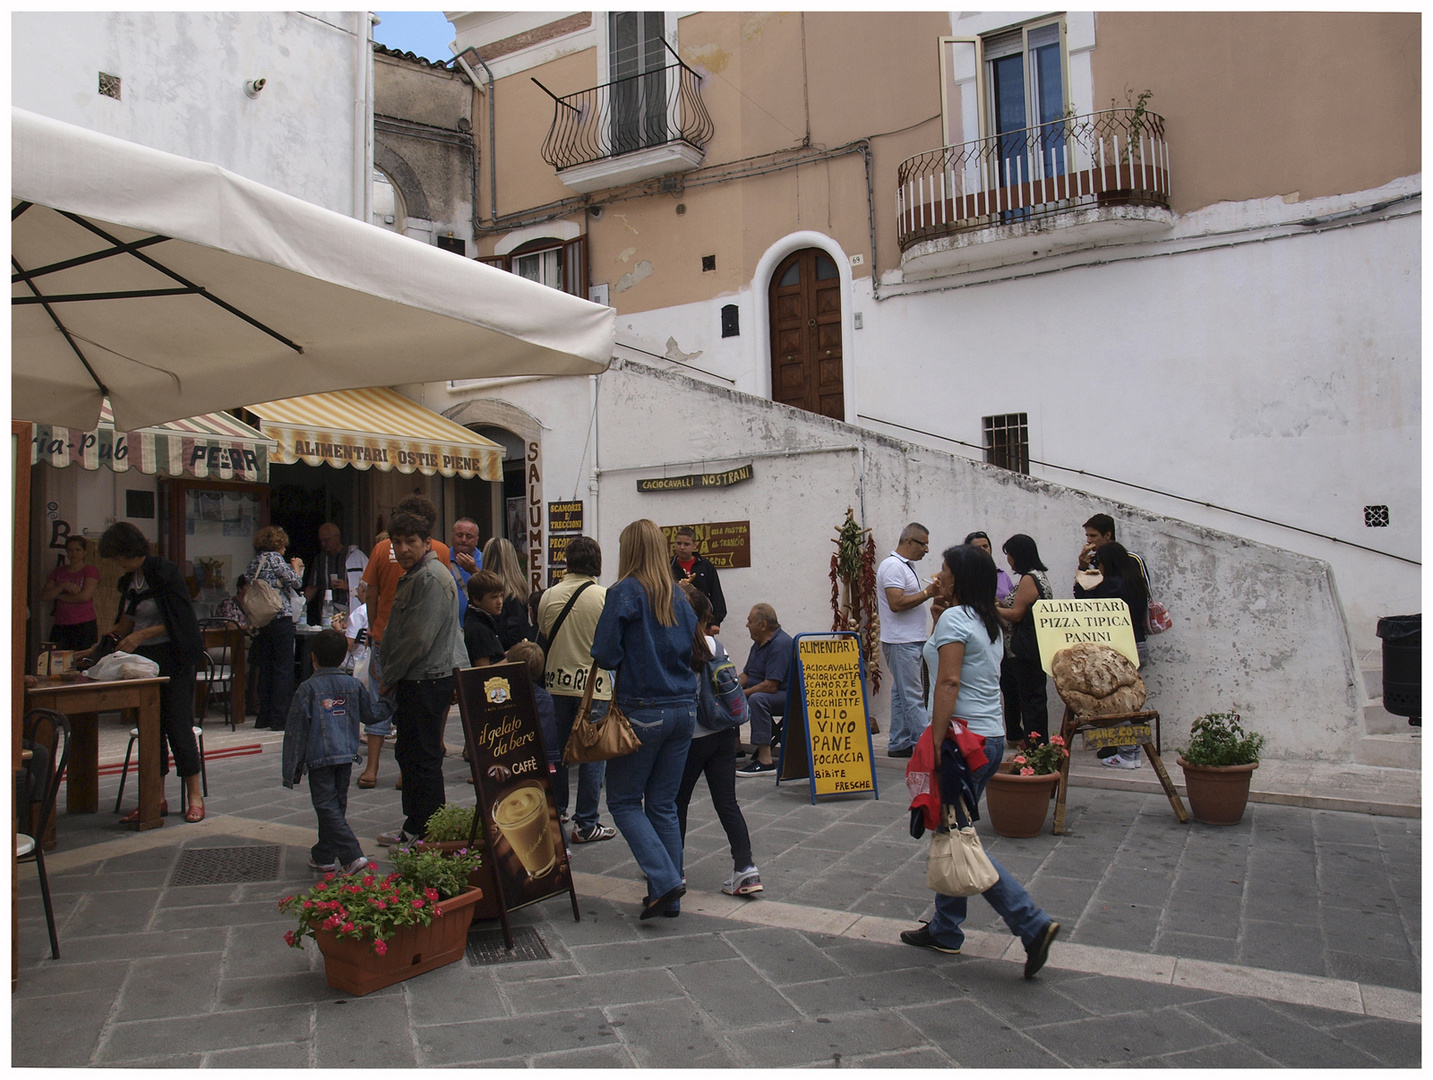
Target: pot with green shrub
(449, 829)
(1218, 765)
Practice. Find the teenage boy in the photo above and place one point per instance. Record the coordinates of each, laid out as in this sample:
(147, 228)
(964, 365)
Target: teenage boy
(321, 737)
(421, 647)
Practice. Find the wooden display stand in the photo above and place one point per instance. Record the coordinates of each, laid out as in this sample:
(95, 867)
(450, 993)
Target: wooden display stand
(1072, 724)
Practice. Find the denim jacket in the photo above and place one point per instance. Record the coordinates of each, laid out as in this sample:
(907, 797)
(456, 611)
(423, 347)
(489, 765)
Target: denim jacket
(323, 723)
(652, 661)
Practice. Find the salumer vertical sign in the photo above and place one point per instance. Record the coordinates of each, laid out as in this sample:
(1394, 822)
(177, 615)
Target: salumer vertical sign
(827, 713)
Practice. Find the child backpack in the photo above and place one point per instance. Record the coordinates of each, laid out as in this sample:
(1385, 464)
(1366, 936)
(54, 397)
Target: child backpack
(721, 702)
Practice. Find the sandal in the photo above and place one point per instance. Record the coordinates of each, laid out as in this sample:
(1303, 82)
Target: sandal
(132, 817)
(364, 782)
(194, 814)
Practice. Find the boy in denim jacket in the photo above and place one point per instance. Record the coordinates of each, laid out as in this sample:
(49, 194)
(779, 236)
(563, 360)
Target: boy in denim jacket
(322, 737)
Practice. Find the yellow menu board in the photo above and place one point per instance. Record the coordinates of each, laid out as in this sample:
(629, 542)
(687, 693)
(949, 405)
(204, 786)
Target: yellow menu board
(827, 717)
(1062, 623)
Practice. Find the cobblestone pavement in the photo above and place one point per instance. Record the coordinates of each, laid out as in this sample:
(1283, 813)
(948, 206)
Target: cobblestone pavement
(1291, 939)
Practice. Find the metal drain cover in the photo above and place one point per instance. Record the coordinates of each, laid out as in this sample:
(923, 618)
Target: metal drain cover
(489, 946)
(226, 865)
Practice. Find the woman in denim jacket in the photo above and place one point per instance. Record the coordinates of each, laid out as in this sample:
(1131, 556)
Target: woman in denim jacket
(645, 635)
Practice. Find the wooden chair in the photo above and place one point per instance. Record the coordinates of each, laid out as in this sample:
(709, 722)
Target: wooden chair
(46, 734)
(225, 644)
(1146, 734)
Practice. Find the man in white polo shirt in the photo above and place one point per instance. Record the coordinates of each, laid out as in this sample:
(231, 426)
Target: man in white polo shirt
(903, 631)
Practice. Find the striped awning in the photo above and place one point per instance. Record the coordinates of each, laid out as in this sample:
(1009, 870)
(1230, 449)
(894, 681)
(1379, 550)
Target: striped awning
(376, 428)
(214, 445)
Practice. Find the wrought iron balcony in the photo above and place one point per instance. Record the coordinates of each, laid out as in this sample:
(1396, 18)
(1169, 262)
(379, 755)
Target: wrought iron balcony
(656, 110)
(1106, 159)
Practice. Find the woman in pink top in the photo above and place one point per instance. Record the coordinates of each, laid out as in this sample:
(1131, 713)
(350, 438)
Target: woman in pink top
(72, 587)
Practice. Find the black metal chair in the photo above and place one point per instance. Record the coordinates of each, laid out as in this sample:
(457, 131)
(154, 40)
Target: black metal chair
(220, 678)
(46, 734)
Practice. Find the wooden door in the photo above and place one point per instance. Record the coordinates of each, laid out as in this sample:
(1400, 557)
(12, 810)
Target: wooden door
(805, 304)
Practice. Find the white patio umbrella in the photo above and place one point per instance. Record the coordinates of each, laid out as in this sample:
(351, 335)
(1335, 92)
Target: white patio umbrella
(178, 288)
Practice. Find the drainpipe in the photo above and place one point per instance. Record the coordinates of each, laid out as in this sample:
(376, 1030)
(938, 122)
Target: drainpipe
(363, 116)
(492, 132)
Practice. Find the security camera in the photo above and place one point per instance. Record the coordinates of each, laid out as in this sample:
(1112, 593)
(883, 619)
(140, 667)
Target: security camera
(253, 86)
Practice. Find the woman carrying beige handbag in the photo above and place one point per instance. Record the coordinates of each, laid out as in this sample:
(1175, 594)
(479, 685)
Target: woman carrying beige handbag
(965, 652)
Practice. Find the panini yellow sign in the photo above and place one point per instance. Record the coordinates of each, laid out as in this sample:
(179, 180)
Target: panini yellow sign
(837, 732)
(1062, 623)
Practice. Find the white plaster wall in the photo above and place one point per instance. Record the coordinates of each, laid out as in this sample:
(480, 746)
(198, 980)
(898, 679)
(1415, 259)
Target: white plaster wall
(1257, 629)
(1234, 362)
(183, 76)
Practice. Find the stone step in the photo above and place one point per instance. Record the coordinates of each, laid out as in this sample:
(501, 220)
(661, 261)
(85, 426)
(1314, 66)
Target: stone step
(1373, 681)
(1379, 721)
(1400, 751)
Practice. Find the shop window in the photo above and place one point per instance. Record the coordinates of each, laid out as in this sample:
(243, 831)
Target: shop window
(558, 264)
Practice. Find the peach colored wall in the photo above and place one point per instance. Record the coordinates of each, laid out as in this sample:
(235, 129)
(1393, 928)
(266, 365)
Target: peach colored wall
(1271, 103)
(868, 74)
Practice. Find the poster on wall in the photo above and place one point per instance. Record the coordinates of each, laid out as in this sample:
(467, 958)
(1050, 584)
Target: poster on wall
(526, 853)
(725, 544)
(517, 524)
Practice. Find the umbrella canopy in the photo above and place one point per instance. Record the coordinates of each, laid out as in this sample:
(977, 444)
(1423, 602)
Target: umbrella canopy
(178, 288)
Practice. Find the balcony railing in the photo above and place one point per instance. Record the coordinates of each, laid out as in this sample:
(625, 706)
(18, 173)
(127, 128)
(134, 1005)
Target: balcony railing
(1113, 158)
(635, 113)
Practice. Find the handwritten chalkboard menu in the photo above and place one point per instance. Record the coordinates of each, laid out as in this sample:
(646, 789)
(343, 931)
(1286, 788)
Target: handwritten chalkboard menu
(828, 730)
(526, 853)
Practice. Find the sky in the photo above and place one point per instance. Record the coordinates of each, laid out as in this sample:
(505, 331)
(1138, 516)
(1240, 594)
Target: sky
(426, 33)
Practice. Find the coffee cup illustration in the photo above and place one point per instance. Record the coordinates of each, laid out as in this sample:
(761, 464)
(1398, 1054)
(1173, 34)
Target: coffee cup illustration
(521, 815)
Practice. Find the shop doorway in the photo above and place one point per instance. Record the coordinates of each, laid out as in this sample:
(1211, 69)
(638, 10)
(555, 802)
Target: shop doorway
(303, 497)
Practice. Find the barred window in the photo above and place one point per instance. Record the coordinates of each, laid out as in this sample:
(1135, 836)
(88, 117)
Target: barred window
(1007, 441)
(1375, 517)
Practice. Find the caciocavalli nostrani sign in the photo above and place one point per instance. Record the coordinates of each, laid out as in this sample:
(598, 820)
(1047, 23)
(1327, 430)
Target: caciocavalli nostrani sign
(827, 716)
(693, 481)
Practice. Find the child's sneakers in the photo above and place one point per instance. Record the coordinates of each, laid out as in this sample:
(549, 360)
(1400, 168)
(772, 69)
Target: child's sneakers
(328, 868)
(742, 882)
(360, 865)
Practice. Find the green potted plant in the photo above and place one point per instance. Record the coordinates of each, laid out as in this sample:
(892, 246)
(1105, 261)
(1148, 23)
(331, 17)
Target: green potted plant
(1017, 798)
(1218, 764)
(375, 931)
(449, 828)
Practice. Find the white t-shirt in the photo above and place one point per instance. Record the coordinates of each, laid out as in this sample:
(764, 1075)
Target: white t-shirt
(354, 563)
(898, 627)
(357, 622)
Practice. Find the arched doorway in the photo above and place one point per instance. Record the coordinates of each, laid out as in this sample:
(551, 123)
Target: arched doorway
(805, 305)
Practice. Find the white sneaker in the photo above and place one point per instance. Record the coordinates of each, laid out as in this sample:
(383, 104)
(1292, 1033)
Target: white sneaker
(1119, 761)
(742, 882)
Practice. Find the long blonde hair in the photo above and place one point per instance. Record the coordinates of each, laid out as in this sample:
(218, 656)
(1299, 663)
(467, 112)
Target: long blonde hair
(642, 554)
(500, 557)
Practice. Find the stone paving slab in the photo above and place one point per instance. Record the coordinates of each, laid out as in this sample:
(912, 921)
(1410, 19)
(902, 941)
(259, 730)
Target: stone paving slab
(1292, 938)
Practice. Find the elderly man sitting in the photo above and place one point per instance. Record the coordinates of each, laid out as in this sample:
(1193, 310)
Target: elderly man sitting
(764, 680)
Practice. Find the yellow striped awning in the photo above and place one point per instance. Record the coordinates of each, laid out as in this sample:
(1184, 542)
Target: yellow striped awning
(376, 428)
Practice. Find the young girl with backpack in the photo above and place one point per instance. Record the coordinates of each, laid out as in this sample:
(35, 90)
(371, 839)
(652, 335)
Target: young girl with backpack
(714, 748)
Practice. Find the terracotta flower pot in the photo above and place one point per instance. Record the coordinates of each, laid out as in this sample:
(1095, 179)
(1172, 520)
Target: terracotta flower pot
(1017, 805)
(353, 967)
(1217, 793)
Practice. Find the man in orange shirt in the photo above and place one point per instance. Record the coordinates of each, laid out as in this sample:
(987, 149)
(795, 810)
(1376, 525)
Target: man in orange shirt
(380, 579)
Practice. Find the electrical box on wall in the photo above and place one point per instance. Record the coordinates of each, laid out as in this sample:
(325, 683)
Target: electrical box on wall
(598, 295)
(139, 504)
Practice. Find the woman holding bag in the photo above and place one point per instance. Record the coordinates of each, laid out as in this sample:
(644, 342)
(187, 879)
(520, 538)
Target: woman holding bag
(1022, 679)
(645, 636)
(156, 620)
(964, 655)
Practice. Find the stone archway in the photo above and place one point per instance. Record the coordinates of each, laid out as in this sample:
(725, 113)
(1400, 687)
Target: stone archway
(401, 175)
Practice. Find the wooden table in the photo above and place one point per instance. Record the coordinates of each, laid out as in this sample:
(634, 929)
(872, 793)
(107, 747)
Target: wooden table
(81, 701)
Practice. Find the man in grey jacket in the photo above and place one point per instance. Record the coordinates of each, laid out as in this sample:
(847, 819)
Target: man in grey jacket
(421, 646)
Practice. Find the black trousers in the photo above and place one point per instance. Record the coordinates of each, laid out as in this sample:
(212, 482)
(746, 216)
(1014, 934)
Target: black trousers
(420, 716)
(715, 755)
(273, 657)
(1022, 685)
(176, 708)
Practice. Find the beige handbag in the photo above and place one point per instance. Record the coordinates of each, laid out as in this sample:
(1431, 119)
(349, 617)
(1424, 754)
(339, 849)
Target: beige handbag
(610, 737)
(958, 865)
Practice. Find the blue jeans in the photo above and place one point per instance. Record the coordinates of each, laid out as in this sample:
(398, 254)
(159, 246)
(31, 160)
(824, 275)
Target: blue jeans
(589, 774)
(763, 707)
(642, 792)
(1007, 896)
(908, 716)
(328, 787)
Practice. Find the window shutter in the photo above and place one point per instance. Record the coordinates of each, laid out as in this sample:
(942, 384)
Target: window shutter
(574, 266)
